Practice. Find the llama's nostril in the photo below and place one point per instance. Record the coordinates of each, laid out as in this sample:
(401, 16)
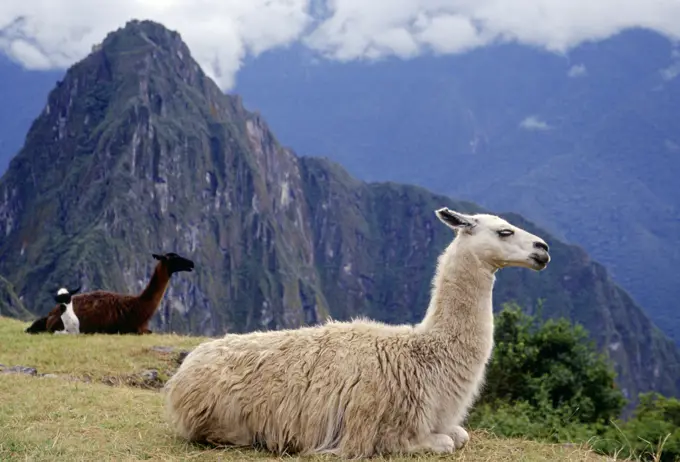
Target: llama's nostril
(541, 245)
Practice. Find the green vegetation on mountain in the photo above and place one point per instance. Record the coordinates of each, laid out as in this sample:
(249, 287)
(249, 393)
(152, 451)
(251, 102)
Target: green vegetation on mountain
(10, 304)
(137, 151)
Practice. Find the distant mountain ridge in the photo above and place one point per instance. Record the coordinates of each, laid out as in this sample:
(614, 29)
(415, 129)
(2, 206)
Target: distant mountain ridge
(587, 144)
(147, 155)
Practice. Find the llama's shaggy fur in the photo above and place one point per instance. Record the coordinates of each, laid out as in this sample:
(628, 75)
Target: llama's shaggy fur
(113, 313)
(68, 316)
(360, 388)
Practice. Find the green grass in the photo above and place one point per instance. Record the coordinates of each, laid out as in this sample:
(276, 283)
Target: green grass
(47, 418)
(94, 357)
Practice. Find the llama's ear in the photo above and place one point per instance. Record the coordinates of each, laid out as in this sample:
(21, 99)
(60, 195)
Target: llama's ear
(158, 257)
(453, 219)
(74, 291)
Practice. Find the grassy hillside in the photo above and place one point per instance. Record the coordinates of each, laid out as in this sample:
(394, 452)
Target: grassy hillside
(102, 414)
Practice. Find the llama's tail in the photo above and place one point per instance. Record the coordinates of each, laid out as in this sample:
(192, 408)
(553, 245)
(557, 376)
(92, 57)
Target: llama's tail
(39, 325)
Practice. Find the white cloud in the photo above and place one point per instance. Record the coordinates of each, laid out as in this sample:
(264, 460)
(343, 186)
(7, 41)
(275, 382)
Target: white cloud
(534, 123)
(673, 70)
(577, 70)
(221, 33)
(27, 53)
(354, 27)
(449, 33)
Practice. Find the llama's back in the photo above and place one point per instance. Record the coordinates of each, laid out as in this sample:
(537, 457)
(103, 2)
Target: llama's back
(98, 312)
(291, 390)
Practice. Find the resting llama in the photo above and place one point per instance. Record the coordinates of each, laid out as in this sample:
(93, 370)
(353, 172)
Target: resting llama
(113, 313)
(361, 388)
(68, 316)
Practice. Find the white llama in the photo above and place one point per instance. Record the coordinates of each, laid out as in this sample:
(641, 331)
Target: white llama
(68, 316)
(360, 388)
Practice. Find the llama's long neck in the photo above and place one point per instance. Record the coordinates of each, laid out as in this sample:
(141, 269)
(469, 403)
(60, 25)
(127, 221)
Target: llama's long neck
(69, 309)
(461, 303)
(154, 291)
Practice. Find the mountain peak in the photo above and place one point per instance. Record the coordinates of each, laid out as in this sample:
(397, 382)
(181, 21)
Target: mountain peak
(141, 49)
(140, 75)
(145, 155)
(142, 38)
(151, 29)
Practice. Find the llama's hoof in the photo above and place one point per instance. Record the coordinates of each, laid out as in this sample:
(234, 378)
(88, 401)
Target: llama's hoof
(459, 436)
(437, 443)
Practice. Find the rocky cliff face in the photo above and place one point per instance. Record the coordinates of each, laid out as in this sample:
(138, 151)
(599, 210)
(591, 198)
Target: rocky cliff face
(137, 151)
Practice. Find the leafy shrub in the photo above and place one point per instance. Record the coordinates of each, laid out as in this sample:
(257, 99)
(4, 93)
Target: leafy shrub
(546, 381)
(523, 420)
(552, 365)
(652, 433)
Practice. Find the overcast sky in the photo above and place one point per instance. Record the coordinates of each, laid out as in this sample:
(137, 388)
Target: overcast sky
(42, 34)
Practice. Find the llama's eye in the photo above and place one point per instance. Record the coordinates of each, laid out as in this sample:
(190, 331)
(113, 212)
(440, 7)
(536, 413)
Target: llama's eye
(505, 232)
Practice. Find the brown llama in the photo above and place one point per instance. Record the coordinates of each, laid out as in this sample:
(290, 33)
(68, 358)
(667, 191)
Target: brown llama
(114, 313)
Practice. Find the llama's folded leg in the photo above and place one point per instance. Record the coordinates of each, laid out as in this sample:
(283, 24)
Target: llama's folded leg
(457, 433)
(459, 436)
(437, 443)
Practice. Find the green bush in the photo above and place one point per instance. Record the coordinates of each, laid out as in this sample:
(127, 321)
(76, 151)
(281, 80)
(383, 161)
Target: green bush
(523, 420)
(552, 365)
(546, 381)
(652, 433)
